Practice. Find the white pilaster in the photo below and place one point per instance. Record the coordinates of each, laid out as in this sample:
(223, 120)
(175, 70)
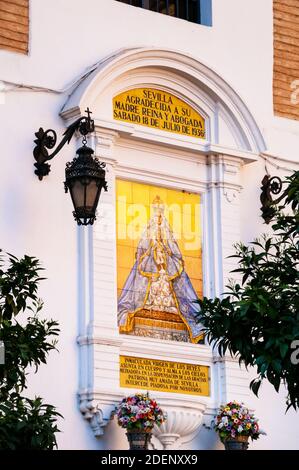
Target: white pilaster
(224, 190)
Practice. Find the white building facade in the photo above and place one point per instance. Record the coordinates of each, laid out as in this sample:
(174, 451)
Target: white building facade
(85, 55)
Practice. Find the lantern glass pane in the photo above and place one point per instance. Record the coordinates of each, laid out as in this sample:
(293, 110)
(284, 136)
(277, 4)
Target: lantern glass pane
(91, 194)
(78, 191)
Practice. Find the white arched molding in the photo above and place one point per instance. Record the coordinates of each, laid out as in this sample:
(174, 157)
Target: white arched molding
(210, 167)
(184, 75)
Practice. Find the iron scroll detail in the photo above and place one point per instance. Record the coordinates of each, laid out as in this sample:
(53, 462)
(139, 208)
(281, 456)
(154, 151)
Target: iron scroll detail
(46, 140)
(270, 185)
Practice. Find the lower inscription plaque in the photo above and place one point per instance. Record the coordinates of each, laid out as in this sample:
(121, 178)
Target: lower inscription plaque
(164, 376)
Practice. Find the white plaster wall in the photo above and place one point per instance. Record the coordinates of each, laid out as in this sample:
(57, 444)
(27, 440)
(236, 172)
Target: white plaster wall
(67, 36)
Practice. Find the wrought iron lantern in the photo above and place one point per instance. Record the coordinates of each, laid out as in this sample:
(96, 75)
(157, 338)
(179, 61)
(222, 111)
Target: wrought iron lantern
(84, 179)
(84, 176)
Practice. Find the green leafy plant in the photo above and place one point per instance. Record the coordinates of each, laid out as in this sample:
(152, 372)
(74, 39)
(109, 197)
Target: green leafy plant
(24, 423)
(257, 319)
(27, 424)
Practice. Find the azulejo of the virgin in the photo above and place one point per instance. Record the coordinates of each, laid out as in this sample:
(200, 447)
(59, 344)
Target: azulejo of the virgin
(158, 297)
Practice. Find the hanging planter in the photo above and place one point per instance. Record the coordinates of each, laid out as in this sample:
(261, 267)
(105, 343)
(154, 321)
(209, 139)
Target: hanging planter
(235, 424)
(138, 414)
(236, 443)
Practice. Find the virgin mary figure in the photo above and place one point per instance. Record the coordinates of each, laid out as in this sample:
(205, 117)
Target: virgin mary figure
(158, 291)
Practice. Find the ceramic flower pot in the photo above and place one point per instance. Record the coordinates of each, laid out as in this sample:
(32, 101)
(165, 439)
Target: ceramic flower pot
(138, 439)
(236, 443)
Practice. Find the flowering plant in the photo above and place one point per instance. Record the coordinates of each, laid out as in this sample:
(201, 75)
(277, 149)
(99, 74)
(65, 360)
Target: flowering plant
(140, 412)
(234, 420)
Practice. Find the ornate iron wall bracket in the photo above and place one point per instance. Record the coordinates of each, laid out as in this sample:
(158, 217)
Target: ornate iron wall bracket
(46, 140)
(270, 185)
(84, 176)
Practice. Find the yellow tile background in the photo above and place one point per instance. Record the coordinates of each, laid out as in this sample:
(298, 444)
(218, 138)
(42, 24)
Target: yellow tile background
(128, 193)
